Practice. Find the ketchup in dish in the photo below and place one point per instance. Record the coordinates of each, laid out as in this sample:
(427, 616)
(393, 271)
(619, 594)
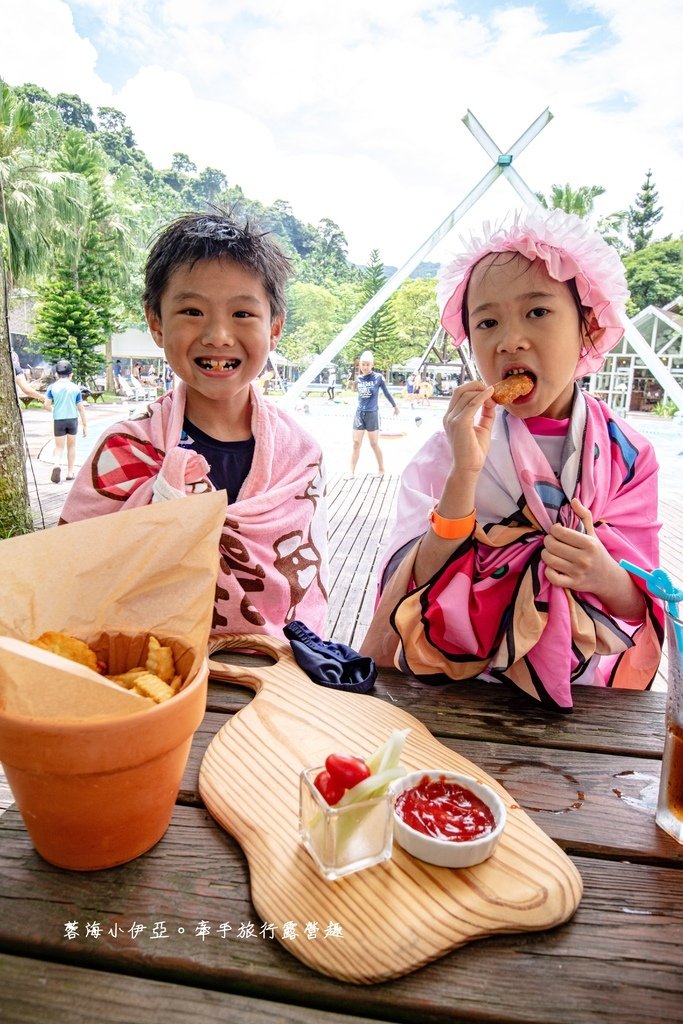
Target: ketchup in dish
(444, 810)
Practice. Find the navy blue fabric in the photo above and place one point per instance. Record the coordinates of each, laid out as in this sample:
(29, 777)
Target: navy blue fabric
(328, 663)
(229, 461)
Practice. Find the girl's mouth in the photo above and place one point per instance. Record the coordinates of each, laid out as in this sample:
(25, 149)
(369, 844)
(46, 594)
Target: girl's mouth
(216, 364)
(529, 376)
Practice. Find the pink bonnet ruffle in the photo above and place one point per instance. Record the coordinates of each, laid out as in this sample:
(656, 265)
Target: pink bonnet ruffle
(570, 248)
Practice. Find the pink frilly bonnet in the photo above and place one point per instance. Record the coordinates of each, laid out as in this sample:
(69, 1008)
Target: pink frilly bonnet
(570, 249)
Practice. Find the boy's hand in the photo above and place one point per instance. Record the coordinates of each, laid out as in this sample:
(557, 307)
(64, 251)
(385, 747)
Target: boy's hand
(469, 441)
(85, 429)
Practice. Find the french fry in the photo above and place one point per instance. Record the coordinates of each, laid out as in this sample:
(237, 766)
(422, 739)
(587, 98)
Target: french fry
(148, 685)
(160, 660)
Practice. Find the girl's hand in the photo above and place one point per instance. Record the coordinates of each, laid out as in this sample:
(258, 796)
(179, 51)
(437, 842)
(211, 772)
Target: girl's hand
(581, 562)
(578, 561)
(469, 441)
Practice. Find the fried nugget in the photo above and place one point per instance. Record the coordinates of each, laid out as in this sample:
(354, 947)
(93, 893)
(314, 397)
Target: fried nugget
(506, 391)
(68, 647)
(160, 660)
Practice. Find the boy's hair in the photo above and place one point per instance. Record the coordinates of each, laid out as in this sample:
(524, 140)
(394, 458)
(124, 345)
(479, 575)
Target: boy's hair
(366, 357)
(216, 235)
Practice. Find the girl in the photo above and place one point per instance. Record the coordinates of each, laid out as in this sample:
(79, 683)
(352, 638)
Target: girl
(503, 562)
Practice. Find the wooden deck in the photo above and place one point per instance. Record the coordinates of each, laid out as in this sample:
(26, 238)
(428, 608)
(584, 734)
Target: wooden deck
(359, 513)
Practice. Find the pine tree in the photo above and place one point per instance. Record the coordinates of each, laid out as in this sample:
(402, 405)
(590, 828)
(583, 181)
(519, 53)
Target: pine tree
(644, 215)
(68, 327)
(379, 334)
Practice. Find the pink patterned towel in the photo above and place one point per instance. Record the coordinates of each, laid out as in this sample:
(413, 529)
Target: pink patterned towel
(273, 549)
(490, 609)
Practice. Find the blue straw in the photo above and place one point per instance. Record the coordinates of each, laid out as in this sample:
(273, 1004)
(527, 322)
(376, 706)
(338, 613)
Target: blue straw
(659, 584)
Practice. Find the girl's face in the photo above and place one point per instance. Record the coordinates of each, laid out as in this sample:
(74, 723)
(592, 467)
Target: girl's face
(522, 319)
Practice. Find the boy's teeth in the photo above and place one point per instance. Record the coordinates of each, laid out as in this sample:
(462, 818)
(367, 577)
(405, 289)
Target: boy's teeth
(217, 364)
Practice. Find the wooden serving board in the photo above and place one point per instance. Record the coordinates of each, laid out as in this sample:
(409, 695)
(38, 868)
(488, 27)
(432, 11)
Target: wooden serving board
(395, 916)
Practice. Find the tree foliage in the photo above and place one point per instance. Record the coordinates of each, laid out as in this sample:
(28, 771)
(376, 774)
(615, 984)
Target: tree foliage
(417, 315)
(315, 315)
(68, 326)
(38, 205)
(79, 306)
(654, 275)
(643, 215)
(572, 200)
(380, 333)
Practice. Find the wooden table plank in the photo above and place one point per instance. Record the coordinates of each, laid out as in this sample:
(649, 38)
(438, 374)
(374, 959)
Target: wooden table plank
(606, 720)
(630, 915)
(32, 990)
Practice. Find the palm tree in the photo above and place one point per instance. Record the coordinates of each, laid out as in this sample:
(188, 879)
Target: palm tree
(38, 206)
(572, 200)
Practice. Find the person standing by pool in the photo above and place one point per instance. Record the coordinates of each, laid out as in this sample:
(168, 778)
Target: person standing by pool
(369, 384)
(66, 400)
(331, 382)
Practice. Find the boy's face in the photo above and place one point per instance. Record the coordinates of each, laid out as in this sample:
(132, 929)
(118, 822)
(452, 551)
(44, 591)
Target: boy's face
(215, 329)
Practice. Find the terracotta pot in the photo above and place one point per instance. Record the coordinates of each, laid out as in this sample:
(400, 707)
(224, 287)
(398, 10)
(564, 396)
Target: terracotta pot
(96, 794)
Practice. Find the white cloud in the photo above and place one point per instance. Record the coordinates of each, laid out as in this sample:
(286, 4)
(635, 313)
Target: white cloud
(352, 111)
(39, 44)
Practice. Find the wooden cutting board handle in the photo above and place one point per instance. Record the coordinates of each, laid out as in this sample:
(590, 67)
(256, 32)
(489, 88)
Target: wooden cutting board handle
(395, 916)
(252, 677)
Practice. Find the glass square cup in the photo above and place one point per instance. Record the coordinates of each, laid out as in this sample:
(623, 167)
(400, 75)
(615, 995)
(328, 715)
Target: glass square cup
(342, 840)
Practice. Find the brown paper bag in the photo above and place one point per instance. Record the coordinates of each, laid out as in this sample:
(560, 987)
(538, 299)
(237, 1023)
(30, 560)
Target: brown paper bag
(139, 571)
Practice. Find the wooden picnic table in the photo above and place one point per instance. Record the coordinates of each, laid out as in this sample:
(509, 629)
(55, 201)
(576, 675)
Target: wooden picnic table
(588, 779)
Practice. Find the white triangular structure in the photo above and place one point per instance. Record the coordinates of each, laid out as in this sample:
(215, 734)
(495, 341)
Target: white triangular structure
(654, 340)
(501, 166)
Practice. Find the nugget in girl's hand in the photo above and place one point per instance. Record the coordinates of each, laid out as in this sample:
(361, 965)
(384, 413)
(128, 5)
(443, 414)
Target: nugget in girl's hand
(507, 390)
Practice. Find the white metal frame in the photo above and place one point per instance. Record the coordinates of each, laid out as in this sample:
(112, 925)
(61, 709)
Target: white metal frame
(502, 166)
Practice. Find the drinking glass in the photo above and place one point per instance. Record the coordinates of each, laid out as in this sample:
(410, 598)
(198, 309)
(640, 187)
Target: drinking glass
(670, 801)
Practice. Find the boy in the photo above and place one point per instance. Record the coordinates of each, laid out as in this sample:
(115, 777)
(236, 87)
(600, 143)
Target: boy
(215, 303)
(68, 404)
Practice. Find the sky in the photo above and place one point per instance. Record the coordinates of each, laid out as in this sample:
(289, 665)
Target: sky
(352, 110)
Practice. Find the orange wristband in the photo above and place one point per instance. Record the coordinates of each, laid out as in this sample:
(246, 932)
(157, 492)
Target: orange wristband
(452, 529)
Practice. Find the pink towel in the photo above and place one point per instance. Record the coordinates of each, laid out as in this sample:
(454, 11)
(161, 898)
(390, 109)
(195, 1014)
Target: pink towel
(490, 609)
(273, 549)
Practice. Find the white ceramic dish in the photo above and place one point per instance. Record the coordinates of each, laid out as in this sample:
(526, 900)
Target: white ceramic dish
(442, 852)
